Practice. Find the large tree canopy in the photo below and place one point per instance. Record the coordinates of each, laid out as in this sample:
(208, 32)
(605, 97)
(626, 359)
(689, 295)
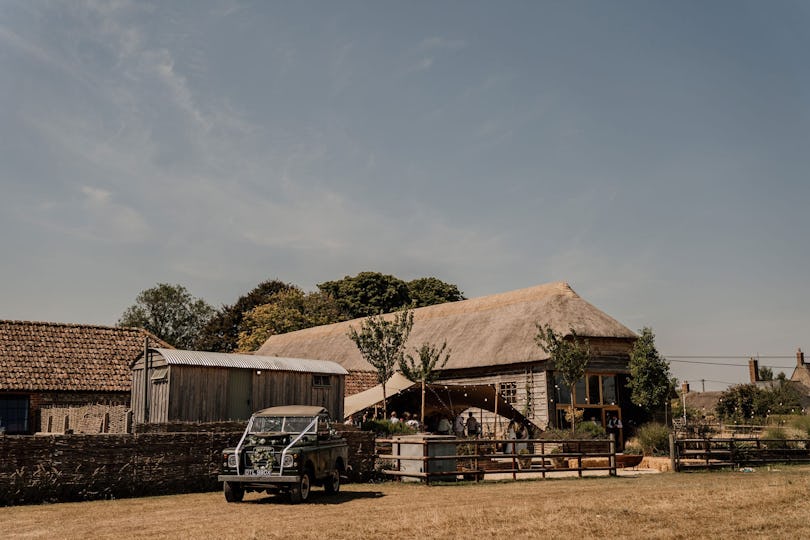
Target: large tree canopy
(430, 290)
(373, 293)
(367, 293)
(286, 311)
(169, 312)
(221, 334)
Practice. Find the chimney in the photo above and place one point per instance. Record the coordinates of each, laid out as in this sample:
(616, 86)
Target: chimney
(685, 387)
(799, 358)
(753, 370)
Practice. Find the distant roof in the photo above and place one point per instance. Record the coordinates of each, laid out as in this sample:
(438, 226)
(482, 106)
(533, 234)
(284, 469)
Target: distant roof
(249, 361)
(291, 410)
(486, 331)
(46, 356)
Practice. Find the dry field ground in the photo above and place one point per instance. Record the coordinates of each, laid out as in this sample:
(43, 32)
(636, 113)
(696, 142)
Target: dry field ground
(763, 504)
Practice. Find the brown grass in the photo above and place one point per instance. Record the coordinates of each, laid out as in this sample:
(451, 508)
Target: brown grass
(762, 504)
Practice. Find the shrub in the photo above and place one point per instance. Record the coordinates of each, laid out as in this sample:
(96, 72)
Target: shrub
(801, 423)
(775, 438)
(590, 430)
(386, 427)
(654, 439)
(633, 448)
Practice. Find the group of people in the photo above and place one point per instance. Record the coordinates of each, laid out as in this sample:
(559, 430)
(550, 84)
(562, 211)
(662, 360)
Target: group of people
(406, 419)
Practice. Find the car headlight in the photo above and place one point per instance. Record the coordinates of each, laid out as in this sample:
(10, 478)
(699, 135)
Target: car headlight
(231, 461)
(289, 460)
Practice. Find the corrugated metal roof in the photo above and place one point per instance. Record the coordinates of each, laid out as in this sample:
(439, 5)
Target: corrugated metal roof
(249, 361)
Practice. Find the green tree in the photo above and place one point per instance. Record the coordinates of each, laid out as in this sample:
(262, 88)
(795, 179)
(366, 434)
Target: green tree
(569, 357)
(424, 368)
(765, 373)
(170, 312)
(746, 402)
(650, 377)
(429, 291)
(221, 333)
(287, 311)
(382, 344)
(367, 293)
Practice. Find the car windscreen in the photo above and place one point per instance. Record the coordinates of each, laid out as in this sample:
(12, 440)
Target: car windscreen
(282, 424)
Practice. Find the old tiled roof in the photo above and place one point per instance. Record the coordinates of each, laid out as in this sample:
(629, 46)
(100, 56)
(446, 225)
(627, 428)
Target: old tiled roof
(42, 356)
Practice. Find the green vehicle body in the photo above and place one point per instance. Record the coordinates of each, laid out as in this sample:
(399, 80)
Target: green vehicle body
(285, 449)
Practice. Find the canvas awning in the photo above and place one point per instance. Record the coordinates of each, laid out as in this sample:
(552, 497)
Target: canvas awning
(440, 398)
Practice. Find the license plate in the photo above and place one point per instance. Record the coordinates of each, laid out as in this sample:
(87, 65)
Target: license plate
(258, 472)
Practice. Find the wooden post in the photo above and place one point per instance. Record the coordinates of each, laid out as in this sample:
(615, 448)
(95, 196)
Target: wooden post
(673, 461)
(422, 420)
(495, 387)
(145, 419)
(612, 458)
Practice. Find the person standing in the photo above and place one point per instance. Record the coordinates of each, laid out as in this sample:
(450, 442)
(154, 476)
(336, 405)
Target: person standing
(472, 426)
(458, 425)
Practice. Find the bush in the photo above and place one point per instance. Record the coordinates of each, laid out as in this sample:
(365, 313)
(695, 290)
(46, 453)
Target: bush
(654, 439)
(386, 427)
(590, 430)
(801, 423)
(775, 438)
(633, 448)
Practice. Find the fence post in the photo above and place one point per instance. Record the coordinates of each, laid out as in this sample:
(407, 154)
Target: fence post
(612, 462)
(673, 460)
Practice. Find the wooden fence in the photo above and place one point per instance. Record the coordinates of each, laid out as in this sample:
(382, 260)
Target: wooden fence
(712, 453)
(449, 459)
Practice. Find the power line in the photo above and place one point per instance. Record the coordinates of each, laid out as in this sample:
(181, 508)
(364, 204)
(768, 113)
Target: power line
(735, 357)
(670, 358)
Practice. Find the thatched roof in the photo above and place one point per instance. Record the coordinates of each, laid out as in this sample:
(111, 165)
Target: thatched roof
(486, 331)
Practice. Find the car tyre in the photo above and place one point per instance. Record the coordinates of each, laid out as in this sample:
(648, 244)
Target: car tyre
(332, 484)
(300, 492)
(233, 492)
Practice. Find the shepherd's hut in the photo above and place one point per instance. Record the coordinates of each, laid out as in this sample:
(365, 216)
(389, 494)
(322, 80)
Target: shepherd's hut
(197, 386)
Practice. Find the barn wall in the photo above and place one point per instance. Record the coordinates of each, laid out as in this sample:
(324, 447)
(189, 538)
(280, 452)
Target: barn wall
(272, 389)
(197, 394)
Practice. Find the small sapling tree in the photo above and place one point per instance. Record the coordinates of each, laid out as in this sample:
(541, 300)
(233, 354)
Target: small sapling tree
(423, 369)
(569, 356)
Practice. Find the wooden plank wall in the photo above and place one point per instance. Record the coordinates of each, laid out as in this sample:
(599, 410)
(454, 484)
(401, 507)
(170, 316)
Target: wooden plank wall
(198, 394)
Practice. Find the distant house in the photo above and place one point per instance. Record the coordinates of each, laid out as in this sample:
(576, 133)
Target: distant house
(197, 386)
(49, 367)
(492, 339)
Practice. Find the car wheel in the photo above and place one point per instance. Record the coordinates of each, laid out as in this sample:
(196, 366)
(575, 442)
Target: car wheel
(300, 492)
(332, 484)
(233, 492)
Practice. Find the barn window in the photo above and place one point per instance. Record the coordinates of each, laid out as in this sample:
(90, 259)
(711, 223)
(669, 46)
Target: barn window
(509, 391)
(160, 375)
(321, 380)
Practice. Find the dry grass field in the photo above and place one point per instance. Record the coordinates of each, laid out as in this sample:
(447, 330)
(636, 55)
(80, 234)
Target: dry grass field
(763, 504)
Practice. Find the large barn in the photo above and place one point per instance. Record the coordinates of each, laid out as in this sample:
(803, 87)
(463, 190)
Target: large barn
(492, 339)
(66, 377)
(197, 386)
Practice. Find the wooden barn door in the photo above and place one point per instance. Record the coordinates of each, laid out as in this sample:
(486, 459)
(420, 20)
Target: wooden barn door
(240, 388)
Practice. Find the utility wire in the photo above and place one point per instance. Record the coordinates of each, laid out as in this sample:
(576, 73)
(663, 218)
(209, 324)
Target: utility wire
(720, 363)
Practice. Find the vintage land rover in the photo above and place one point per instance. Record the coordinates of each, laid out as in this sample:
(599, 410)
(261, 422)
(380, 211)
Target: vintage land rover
(287, 449)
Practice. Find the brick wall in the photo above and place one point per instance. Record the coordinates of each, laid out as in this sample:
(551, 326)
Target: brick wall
(95, 418)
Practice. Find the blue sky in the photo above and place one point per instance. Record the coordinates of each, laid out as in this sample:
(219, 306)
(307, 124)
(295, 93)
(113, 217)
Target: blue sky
(652, 154)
